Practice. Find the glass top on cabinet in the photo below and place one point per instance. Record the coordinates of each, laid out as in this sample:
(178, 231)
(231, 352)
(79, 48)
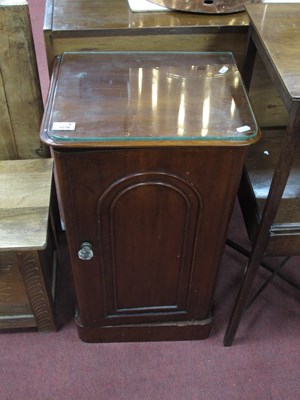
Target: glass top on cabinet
(126, 98)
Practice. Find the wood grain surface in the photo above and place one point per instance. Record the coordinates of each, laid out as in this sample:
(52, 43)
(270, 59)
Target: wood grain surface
(21, 105)
(24, 203)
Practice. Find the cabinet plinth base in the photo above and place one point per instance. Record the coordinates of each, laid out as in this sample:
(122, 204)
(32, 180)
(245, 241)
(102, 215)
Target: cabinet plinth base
(151, 332)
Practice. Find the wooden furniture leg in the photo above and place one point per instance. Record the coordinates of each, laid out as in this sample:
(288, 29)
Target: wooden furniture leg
(281, 174)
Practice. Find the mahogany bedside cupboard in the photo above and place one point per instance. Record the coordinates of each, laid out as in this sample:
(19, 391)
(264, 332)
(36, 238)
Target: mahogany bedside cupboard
(148, 150)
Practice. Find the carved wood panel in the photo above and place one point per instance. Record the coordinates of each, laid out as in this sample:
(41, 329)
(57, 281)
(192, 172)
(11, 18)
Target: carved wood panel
(147, 225)
(38, 294)
(25, 300)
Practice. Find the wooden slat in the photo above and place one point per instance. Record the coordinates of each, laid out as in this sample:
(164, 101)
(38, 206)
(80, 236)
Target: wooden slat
(22, 100)
(8, 148)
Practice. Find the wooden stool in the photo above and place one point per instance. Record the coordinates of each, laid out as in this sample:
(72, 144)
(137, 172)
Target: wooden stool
(27, 255)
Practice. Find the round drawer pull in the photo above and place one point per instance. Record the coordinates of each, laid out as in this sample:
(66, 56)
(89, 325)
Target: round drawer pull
(86, 251)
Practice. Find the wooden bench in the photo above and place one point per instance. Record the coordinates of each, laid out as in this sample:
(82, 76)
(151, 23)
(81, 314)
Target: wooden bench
(27, 249)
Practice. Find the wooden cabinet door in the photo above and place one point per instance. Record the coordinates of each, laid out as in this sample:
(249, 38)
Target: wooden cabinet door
(156, 220)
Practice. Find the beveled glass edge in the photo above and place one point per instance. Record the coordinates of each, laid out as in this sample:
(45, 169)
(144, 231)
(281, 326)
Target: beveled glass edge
(157, 139)
(84, 52)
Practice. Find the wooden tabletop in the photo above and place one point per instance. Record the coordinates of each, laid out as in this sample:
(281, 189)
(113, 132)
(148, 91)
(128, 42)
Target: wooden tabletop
(277, 27)
(205, 7)
(24, 203)
(115, 17)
